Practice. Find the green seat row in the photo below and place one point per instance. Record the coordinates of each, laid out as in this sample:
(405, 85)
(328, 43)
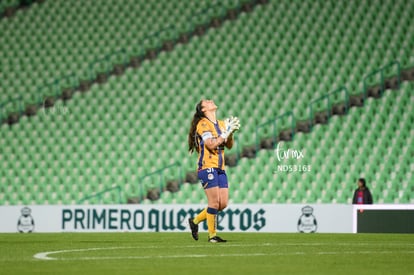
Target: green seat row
(257, 67)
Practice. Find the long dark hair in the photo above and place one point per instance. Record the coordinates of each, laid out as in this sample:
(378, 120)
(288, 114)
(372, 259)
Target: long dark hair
(192, 134)
(362, 180)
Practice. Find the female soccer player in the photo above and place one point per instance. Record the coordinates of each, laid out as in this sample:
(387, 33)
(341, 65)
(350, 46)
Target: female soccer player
(209, 136)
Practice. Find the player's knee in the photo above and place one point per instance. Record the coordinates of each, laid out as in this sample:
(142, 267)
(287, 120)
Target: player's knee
(214, 204)
(223, 204)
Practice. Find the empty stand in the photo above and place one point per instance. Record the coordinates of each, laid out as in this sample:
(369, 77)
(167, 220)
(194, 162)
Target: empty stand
(274, 60)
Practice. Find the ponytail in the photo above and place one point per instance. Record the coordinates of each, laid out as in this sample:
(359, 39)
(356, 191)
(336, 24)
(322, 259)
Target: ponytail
(192, 134)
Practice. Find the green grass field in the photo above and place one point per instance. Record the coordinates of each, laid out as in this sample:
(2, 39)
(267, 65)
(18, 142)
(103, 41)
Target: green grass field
(177, 253)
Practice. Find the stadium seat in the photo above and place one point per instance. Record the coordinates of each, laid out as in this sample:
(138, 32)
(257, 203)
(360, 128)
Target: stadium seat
(262, 65)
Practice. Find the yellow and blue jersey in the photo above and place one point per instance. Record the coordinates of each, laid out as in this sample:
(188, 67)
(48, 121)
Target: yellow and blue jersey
(209, 158)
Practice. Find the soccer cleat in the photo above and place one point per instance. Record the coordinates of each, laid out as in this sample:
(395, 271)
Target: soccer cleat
(194, 229)
(216, 239)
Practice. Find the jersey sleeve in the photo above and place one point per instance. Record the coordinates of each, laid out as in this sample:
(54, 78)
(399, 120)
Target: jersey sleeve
(204, 130)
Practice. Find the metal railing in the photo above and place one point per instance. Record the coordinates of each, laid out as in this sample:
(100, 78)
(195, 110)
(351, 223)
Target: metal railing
(199, 18)
(156, 179)
(328, 98)
(100, 196)
(273, 122)
(380, 71)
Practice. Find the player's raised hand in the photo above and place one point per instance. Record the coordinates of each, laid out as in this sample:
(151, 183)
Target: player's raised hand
(231, 125)
(234, 123)
(227, 129)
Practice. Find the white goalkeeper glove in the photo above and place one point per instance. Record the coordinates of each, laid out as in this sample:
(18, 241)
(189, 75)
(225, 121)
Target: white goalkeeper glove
(231, 125)
(235, 123)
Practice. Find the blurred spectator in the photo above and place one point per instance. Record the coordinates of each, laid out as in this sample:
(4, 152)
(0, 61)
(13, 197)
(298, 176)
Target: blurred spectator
(362, 195)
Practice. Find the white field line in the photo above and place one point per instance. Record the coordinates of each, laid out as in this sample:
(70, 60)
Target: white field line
(46, 255)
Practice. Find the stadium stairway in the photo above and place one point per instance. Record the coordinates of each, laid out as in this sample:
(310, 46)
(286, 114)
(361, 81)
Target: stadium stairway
(297, 98)
(8, 8)
(98, 139)
(53, 185)
(88, 39)
(374, 142)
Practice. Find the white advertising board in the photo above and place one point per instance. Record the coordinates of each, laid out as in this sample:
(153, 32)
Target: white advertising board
(313, 218)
